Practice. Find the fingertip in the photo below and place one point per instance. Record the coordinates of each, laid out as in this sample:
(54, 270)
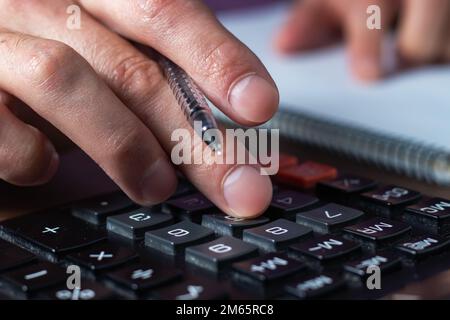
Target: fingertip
(254, 99)
(284, 41)
(247, 192)
(53, 165)
(158, 183)
(367, 69)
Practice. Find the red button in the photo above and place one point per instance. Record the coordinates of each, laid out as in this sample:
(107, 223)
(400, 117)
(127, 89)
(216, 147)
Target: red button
(307, 174)
(287, 160)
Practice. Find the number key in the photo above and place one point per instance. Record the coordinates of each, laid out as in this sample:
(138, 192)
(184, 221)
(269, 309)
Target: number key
(230, 226)
(276, 235)
(329, 218)
(217, 254)
(326, 248)
(344, 188)
(430, 214)
(175, 238)
(388, 201)
(134, 224)
(188, 207)
(286, 203)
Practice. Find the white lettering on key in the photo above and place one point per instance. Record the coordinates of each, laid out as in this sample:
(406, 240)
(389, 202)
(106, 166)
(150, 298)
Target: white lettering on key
(328, 245)
(51, 230)
(394, 193)
(140, 217)
(287, 200)
(442, 206)
(35, 275)
(220, 248)
(331, 216)
(276, 230)
(142, 274)
(101, 255)
(421, 245)
(270, 264)
(178, 232)
(235, 219)
(374, 261)
(379, 227)
(193, 292)
(315, 283)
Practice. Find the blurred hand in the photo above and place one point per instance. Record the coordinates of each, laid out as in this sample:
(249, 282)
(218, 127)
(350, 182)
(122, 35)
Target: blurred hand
(113, 101)
(423, 34)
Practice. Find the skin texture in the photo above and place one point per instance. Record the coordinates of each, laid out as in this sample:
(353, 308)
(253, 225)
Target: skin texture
(112, 100)
(422, 35)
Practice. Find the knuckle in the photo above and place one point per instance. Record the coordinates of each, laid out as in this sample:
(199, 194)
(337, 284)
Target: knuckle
(21, 4)
(224, 59)
(53, 65)
(122, 145)
(151, 10)
(136, 77)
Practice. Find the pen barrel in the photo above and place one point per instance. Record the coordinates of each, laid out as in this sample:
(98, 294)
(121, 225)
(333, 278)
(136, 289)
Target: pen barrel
(188, 95)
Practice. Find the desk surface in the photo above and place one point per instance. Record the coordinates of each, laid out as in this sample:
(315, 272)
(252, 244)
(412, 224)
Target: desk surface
(78, 178)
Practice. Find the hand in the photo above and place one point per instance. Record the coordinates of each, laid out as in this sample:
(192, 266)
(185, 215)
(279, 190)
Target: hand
(112, 100)
(423, 34)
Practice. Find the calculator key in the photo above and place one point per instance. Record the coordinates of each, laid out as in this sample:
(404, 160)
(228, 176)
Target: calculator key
(102, 256)
(287, 160)
(175, 238)
(35, 277)
(12, 256)
(189, 207)
(431, 214)
(57, 233)
(307, 174)
(220, 253)
(134, 224)
(276, 235)
(96, 210)
(388, 201)
(329, 218)
(286, 203)
(88, 290)
(378, 231)
(386, 261)
(268, 268)
(421, 246)
(192, 289)
(344, 187)
(326, 248)
(143, 275)
(314, 286)
(230, 226)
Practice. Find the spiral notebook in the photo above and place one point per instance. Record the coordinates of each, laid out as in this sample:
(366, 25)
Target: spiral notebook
(402, 123)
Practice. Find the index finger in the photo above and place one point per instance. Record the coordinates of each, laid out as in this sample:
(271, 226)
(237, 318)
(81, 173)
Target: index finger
(232, 77)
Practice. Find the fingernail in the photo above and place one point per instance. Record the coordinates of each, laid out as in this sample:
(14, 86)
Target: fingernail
(254, 98)
(246, 191)
(159, 182)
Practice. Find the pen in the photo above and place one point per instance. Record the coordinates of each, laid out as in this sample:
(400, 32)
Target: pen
(193, 103)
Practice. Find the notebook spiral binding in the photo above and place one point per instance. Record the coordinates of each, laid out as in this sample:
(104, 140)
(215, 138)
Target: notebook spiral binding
(403, 156)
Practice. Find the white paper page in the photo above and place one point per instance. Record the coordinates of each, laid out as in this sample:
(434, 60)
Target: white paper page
(415, 104)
